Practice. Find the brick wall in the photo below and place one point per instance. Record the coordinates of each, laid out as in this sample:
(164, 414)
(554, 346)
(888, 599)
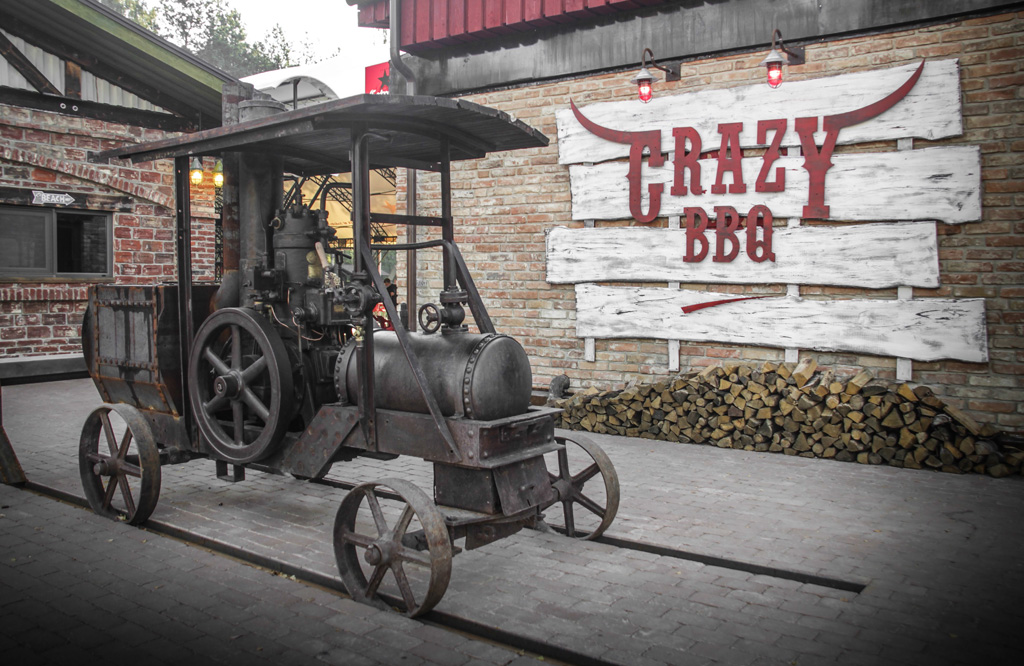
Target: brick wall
(504, 203)
(40, 150)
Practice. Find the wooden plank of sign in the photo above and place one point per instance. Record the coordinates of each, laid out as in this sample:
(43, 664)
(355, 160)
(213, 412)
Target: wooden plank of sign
(942, 183)
(931, 110)
(927, 329)
(874, 256)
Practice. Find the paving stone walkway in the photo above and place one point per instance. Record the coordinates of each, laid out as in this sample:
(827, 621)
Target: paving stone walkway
(80, 589)
(940, 555)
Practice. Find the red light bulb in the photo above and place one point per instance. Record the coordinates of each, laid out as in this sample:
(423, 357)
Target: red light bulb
(774, 74)
(645, 91)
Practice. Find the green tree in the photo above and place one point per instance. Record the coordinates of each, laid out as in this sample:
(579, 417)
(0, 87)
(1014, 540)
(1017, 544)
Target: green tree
(135, 10)
(212, 32)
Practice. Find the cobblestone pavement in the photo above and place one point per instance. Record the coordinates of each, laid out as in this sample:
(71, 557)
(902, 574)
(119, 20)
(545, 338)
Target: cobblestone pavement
(939, 554)
(78, 589)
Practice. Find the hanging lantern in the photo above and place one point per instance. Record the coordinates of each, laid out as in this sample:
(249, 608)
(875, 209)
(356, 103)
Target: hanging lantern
(218, 174)
(775, 60)
(195, 173)
(643, 81)
(774, 63)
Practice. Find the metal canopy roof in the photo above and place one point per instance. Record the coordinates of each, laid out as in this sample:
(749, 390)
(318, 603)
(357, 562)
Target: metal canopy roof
(407, 131)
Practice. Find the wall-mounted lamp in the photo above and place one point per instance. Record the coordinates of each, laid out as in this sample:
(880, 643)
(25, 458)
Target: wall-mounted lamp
(195, 171)
(218, 174)
(775, 61)
(644, 79)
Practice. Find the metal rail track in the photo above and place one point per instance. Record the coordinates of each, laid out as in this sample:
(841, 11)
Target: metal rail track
(479, 630)
(486, 632)
(709, 560)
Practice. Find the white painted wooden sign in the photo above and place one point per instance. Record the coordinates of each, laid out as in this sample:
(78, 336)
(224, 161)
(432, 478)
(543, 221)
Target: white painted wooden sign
(682, 156)
(873, 256)
(942, 183)
(924, 329)
(930, 111)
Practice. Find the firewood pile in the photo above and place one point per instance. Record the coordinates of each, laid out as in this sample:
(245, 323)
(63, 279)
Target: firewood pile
(798, 411)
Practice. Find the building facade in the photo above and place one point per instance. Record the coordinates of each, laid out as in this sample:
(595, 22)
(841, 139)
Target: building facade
(547, 284)
(75, 80)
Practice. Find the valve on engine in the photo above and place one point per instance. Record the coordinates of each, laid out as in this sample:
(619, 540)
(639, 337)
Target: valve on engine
(448, 317)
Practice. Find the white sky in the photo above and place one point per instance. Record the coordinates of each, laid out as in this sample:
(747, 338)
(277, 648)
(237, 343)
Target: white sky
(324, 24)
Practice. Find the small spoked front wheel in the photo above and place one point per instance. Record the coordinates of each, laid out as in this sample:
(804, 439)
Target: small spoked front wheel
(586, 485)
(119, 463)
(398, 543)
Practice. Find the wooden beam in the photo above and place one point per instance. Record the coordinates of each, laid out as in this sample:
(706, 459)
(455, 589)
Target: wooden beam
(84, 109)
(939, 183)
(25, 67)
(874, 256)
(925, 329)
(18, 196)
(72, 80)
(11, 471)
(931, 110)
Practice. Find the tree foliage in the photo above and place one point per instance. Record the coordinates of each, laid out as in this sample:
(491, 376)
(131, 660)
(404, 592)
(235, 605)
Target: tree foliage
(135, 10)
(211, 31)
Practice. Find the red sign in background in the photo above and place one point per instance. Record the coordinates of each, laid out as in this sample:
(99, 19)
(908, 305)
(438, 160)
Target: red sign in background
(377, 78)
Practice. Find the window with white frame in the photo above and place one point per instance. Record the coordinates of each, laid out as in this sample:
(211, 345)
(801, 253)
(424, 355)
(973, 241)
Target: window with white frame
(54, 242)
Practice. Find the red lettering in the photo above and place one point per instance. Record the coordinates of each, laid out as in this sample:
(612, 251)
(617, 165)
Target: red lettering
(730, 158)
(696, 225)
(652, 140)
(726, 223)
(760, 249)
(686, 160)
(638, 141)
(762, 184)
(817, 163)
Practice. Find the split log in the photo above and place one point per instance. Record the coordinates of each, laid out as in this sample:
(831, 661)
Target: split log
(798, 411)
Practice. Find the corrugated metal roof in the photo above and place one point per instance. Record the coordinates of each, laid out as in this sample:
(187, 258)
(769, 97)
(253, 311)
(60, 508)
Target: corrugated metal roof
(94, 88)
(111, 47)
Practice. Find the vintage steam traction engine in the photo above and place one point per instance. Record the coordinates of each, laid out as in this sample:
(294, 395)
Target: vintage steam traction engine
(280, 368)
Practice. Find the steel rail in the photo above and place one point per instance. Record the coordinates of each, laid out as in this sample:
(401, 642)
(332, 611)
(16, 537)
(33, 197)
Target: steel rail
(679, 554)
(495, 635)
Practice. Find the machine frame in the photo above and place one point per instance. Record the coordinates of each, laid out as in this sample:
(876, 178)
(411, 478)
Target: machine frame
(171, 372)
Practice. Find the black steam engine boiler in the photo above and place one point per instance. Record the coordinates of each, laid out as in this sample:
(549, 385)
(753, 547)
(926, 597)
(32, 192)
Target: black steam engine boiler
(280, 368)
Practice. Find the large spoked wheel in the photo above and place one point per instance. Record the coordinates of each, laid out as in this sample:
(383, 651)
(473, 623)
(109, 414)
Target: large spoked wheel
(402, 534)
(119, 462)
(586, 485)
(240, 385)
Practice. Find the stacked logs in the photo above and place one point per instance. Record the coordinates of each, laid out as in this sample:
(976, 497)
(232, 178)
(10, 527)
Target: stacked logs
(798, 411)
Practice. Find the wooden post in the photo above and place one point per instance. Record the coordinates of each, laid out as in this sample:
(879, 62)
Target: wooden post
(673, 345)
(589, 348)
(11, 472)
(904, 366)
(792, 290)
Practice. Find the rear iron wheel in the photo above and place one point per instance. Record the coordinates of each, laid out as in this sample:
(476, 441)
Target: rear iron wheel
(119, 463)
(588, 507)
(402, 533)
(240, 385)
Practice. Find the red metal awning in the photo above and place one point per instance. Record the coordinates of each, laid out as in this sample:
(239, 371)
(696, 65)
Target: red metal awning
(431, 24)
